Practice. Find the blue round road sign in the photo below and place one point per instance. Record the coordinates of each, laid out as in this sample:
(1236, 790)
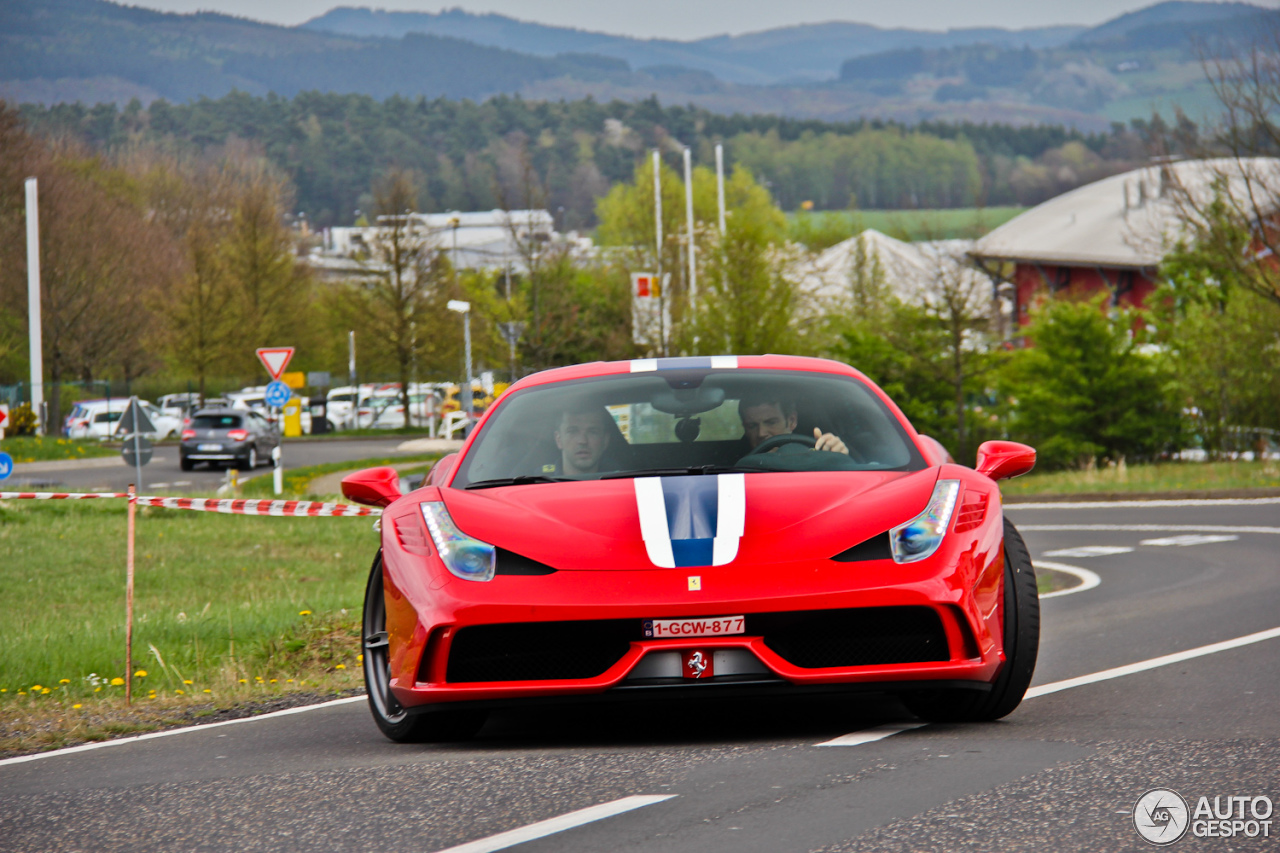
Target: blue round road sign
(6, 466)
(277, 394)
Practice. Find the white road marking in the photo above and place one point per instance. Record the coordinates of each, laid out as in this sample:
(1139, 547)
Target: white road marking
(85, 747)
(1148, 528)
(1153, 663)
(1088, 579)
(1189, 539)
(1090, 551)
(1143, 504)
(543, 828)
(871, 735)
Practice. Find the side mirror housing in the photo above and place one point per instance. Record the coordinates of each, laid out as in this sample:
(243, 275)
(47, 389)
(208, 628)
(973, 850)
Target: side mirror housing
(1001, 460)
(934, 449)
(441, 470)
(372, 486)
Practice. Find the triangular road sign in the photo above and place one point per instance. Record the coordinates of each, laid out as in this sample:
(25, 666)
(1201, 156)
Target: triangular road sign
(275, 359)
(134, 420)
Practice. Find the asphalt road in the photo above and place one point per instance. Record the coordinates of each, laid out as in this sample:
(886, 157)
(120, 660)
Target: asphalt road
(1062, 773)
(164, 474)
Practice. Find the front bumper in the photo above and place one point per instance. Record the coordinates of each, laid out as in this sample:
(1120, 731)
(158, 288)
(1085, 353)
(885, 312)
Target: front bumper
(426, 613)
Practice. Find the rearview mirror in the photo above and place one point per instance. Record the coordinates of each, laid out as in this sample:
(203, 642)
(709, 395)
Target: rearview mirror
(1001, 460)
(372, 486)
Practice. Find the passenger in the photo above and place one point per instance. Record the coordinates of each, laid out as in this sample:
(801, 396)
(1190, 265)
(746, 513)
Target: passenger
(765, 417)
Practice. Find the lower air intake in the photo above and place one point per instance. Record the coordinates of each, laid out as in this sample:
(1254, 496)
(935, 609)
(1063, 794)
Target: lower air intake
(539, 651)
(865, 636)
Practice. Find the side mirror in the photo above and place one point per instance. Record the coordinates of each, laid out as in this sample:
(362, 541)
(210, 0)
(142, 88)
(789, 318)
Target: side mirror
(372, 486)
(935, 449)
(440, 471)
(1001, 460)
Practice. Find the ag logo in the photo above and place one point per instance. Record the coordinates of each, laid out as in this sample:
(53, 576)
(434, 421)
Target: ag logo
(1161, 816)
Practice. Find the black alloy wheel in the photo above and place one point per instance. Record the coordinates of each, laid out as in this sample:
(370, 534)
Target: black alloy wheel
(391, 718)
(1021, 646)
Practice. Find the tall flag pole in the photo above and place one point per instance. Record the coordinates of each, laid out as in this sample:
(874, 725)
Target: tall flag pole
(33, 305)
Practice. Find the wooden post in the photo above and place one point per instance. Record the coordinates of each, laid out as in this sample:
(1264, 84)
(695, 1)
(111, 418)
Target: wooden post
(128, 604)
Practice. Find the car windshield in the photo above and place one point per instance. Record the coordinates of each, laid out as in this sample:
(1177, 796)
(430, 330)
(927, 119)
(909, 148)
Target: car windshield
(215, 422)
(687, 421)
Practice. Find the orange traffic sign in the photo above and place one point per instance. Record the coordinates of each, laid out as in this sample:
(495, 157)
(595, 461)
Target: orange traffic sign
(275, 359)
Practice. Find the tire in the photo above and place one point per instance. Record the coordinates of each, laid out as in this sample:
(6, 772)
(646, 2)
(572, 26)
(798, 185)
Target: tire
(185, 464)
(251, 460)
(392, 719)
(1021, 646)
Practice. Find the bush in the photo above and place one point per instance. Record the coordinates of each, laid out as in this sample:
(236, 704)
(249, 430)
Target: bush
(22, 421)
(1083, 389)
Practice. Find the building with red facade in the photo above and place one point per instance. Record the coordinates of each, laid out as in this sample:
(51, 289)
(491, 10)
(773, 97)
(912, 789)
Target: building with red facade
(1108, 236)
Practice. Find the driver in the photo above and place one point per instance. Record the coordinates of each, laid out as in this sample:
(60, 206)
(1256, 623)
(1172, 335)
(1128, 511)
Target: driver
(582, 437)
(766, 417)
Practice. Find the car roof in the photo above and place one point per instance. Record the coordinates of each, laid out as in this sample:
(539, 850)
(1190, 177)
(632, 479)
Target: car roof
(640, 365)
(221, 410)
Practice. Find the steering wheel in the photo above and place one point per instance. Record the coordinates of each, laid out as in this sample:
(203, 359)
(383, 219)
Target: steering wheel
(779, 440)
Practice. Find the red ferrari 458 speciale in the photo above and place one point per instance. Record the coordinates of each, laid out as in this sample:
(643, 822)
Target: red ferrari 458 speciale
(694, 527)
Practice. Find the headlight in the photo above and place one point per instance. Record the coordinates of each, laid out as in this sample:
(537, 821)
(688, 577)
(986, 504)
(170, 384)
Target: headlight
(921, 536)
(466, 558)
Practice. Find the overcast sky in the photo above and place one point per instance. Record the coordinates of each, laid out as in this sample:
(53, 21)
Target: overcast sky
(690, 19)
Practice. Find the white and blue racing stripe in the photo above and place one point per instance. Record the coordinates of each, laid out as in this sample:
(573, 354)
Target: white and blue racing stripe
(702, 362)
(692, 521)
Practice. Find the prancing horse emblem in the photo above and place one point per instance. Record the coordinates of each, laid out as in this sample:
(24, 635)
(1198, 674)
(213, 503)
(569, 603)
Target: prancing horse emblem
(698, 664)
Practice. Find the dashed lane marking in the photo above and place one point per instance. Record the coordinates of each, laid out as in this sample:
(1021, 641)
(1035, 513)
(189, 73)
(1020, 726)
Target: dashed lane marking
(543, 828)
(1090, 551)
(1190, 539)
(1088, 579)
(870, 735)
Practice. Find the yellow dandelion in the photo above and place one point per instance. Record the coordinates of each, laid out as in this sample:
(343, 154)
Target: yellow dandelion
(288, 681)
(36, 687)
(44, 691)
(22, 693)
(341, 666)
(359, 658)
(208, 691)
(242, 681)
(304, 612)
(97, 690)
(4, 689)
(116, 682)
(258, 678)
(187, 681)
(180, 693)
(64, 681)
(76, 707)
(273, 681)
(142, 673)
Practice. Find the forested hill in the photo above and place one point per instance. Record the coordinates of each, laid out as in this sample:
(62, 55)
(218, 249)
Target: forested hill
(92, 51)
(565, 155)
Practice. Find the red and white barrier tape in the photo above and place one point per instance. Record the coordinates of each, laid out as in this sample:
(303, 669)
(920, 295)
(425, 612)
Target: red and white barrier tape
(310, 509)
(59, 496)
(313, 509)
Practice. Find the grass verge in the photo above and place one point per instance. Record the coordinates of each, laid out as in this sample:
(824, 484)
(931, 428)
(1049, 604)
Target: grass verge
(229, 610)
(26, 448)
(1164, 477)
(1052, 580)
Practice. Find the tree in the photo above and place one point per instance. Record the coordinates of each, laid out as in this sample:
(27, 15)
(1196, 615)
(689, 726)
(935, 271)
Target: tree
(1084, 389)
(406, 292)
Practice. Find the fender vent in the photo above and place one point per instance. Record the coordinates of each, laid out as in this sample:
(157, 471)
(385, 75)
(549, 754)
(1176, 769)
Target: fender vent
(412, 538)
(972, 511)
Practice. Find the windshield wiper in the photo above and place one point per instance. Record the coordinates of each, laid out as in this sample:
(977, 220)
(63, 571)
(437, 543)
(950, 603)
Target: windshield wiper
(522, 480)
(693, 470)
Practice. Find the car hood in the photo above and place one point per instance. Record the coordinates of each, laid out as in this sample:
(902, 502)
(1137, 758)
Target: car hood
(691, 521)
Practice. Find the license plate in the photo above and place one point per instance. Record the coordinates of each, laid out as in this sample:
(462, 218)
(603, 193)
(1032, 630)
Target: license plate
(209, 447)
(713, 627)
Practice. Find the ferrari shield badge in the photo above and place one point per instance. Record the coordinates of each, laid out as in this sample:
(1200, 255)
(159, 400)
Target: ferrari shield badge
(697, 663)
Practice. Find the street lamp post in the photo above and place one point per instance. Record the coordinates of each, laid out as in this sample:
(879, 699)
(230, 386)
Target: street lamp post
(464, 308)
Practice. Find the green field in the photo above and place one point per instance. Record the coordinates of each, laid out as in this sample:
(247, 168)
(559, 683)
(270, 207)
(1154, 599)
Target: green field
(826, 228)
(224, 603)
(1166, 477)
(34, 449)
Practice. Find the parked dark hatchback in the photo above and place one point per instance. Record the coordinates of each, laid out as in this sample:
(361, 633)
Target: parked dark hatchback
(231, 437)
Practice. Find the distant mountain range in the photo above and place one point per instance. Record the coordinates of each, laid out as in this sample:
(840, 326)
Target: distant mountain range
(94, 51)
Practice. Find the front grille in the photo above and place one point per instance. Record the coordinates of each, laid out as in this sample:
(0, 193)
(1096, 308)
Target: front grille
(539, 651)
(865, 636)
